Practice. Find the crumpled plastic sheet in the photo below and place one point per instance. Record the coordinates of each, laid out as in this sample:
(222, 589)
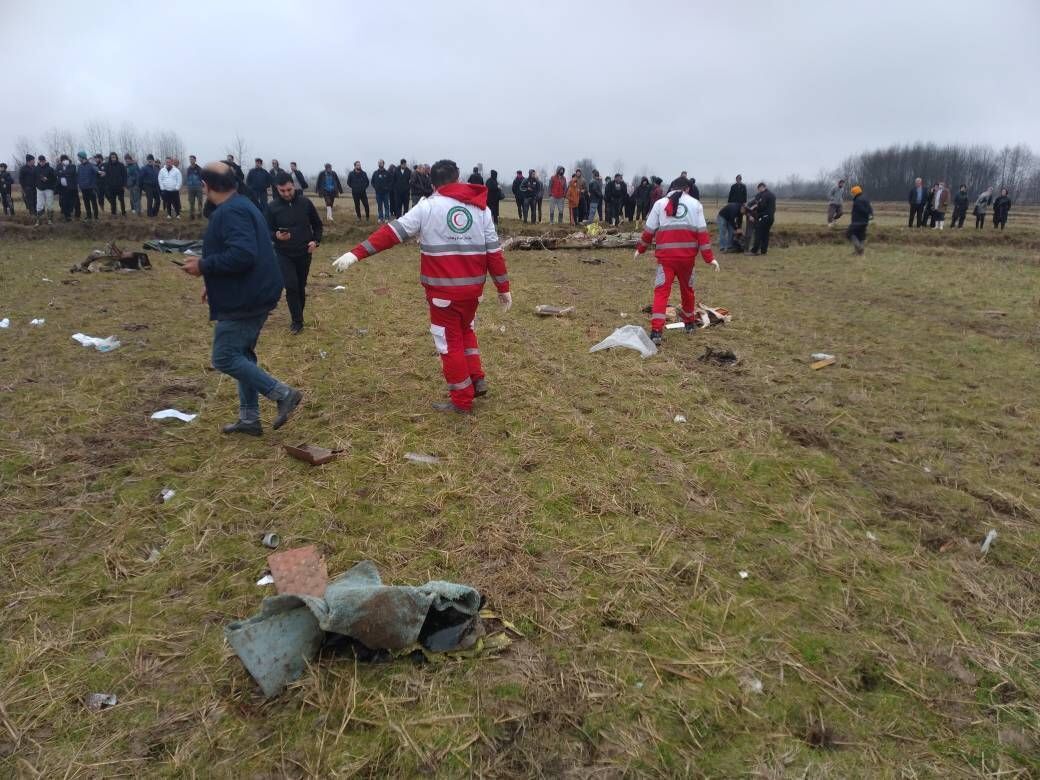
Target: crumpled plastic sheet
(629, 337)
(178, 415)
(101, 345)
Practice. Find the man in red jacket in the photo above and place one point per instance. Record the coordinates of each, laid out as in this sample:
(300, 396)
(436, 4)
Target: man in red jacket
(458, 247)
(557, 194)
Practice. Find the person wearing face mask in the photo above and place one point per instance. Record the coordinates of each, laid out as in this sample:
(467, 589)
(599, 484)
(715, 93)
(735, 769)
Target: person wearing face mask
(328, 187)
(296, 230)
(68, 197)
(357, 181)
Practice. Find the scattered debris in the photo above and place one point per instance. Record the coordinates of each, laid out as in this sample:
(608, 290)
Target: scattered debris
(166, 494)
(679, 418)
(593, 260)
(310, 453)
(100, 701)
(743, 574)
(133, 327)
(720, 357)
(5, 323)
(871, 536)
(751, 684)
(362, 331)
(153, 556)
(629, 337)
(356, 611)
(993, 313)
(821, 356)
(168, 413)
(101, 345)
(339, 287)
(416, 457)
(299, 572)
(267, 579)
(174, 245)
(894, 437)
(45, 279)
(271, 540)
(322, 354)
(605, 239)
(988, 541)
(675, 326)
(553, 311)
(112, 258)
(829, 361)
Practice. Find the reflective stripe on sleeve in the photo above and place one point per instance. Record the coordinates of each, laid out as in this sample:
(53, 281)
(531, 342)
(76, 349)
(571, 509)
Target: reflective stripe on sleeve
(368, 246)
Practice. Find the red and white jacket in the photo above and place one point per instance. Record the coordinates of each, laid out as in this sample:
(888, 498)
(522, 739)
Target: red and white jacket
(679, 235)
(458, 243)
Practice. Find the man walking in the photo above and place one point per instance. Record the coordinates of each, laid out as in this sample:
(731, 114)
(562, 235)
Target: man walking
(738, 194)
(258, 180)
(46, 181)
(133, 183)
(193, 180)
(87, 181)
(243, 284)
(150, 185)
(835, 202)
(296, 228)
(402, 186)
(27, 181)
(357, 181)
(170, 188)
(765, 212)
(328, 187)
(458, 247)
(518, 195)
(382, 183)
(862, 213)
(299, 180)
(918, 199)
(6, 186)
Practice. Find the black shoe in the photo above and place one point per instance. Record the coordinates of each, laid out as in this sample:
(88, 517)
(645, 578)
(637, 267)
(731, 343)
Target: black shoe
(448, 406)
(690, 327)
(754, 253)
(250, 428)
(286, 407)
(295, 328)
(656, 336)
(480, 388)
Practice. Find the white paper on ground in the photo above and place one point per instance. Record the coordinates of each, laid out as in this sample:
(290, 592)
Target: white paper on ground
(821, 356)
(167, 413)
(267, 579)
(675, 325)
(631, 337)
(167, 494)
(680, 418)
(339, 287)
(37, 321)
(101, 345)
(5, 323)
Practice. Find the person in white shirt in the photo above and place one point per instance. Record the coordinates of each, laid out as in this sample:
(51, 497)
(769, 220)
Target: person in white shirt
(170, 189)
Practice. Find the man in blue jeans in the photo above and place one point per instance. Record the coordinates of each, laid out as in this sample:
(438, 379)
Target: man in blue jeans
(243, 284)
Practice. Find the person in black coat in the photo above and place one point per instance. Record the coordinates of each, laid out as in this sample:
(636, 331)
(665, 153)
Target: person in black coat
(1001, 207)
(383, 184)
(518, 195)
(258, 180)
(495, 195)
(68, 194)
(6, 185)
(402, 187)
(357, 181)
(960, 207)
(296, 230)
(764, 208)
(27, 181)
(475, 177)
(862, 213)
(115, 184)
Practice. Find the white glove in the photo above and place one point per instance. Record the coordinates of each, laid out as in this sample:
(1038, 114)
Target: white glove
(715, 264)
(506, 299)
(345, 261)
(635, 255)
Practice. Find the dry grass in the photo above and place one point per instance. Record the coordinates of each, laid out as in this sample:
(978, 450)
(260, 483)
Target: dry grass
(855, 497)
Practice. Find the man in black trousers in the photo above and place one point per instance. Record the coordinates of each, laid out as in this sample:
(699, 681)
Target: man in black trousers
(765, 211)
(738, 194)
(918, 199)
(296, 229)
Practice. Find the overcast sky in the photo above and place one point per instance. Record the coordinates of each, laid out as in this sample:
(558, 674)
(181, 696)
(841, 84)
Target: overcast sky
(760, 88)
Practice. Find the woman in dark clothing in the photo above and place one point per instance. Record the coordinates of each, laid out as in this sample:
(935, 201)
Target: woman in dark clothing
(1001, 207)
(495, 194)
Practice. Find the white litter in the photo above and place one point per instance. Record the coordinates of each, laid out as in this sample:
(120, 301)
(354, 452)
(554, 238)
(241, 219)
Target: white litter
(679, 418)
(5, 323)
(323, 354)
(630, 337)
(751, 684)
(100, 701)
(743, 575)
(153, 556)
(45, 279)
(339, 287)
(101, 345)
(871, 536)
(166, 494)
(990, 538)
(37, 322)
(167, 413)
(267, 579)
(675, 325)
(821, 356)
(416, 457)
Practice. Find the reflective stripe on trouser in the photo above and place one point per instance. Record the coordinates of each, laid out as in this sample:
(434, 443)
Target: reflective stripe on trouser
(667, 272)
(456, 342)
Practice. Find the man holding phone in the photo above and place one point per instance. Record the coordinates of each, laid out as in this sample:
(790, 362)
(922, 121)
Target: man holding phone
(296, 229)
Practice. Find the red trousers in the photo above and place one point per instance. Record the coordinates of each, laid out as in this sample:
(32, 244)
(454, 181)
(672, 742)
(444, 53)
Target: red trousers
(453, 336)
(667, 272)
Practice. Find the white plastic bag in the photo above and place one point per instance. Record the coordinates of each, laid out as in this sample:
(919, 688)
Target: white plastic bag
(630, 336)
(101, 345)
(173, 413)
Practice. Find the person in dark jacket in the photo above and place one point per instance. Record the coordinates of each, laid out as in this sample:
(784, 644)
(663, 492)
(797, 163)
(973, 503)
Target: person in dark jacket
(243, 284)
(87, 181)
(27, 181)
(68, 194)
(918, 200)
(862, 213)
(328, 187)
(46, 182)
(402, 186)
(193, 181)
(115, 183)
(357, 181)
(738, 194)
(299, 180)
(518, 196)
(133, 183)
(694, 190)
(765, 212)
(595, 198)
(296, 230)
(495, 195)
(239, 173)
(642, 198)
(475, 177)
(383, 184)
(258, 180)
(1001, 207)
(420, 185)
(615, 193)
(531, 192)
(6, 186)
(960, 207)
(728, 224)
(149, 178)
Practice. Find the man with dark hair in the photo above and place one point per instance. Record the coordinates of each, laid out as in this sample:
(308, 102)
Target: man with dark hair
(299, 180)
(328, 187)
(557, 194)
(475, 177)
(694, 191)
(615, 194)
(531, 191)
(133, 183)
(382, 183)
(728, 224)
(276, 169)
(357, 181)
(150, 185)
(27, 181)
(835, 202)
(402, 186)
(68, 196)
(518, 195)
(595, 197)
(458, 247)
(738, 194)
(46, 181)
(115, 183)
(296, 229)
(960, 207)
(170, 188)
(495, 194)
(918, 199)
(258, 180)
(862, 213)
(6, 186)
(193, 180)
(420, 185)
(243, 284)
(765, 211)
(87, 181)
(239, 173)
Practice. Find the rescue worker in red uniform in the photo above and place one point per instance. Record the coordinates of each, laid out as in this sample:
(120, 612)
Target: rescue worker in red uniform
(676, 225)
(458, 248)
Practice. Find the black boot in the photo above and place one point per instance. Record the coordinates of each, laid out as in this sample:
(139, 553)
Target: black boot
(286, 407)
(480, 388)
(240, 426)
(656, 336)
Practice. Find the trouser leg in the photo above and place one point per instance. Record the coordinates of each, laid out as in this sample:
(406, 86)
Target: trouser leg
(29, 199)
(234, 353)
(663, 278)
(472, 350)
(446, 326)
(687, 295)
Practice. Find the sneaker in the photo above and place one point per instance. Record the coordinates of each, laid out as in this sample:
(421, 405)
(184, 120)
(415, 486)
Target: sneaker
(240, 426)
(480, 388)
(448, 406)
(286, 407)
(656, 336)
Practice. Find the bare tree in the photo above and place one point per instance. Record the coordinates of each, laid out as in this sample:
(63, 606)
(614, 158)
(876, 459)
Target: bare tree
(130, 140)
(59, 141)
(169, 144)
(586, 166)
(98, 137)
(22, 148)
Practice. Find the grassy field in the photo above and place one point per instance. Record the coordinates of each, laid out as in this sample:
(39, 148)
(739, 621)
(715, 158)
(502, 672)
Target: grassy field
(870, 638)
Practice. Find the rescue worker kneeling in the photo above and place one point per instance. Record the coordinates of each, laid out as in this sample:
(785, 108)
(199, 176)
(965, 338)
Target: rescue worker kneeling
(677, 222)
(458, 247)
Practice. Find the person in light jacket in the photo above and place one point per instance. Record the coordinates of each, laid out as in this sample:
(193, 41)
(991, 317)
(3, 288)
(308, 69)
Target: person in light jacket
(170, 188)
(835, 202)
(982, 206)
